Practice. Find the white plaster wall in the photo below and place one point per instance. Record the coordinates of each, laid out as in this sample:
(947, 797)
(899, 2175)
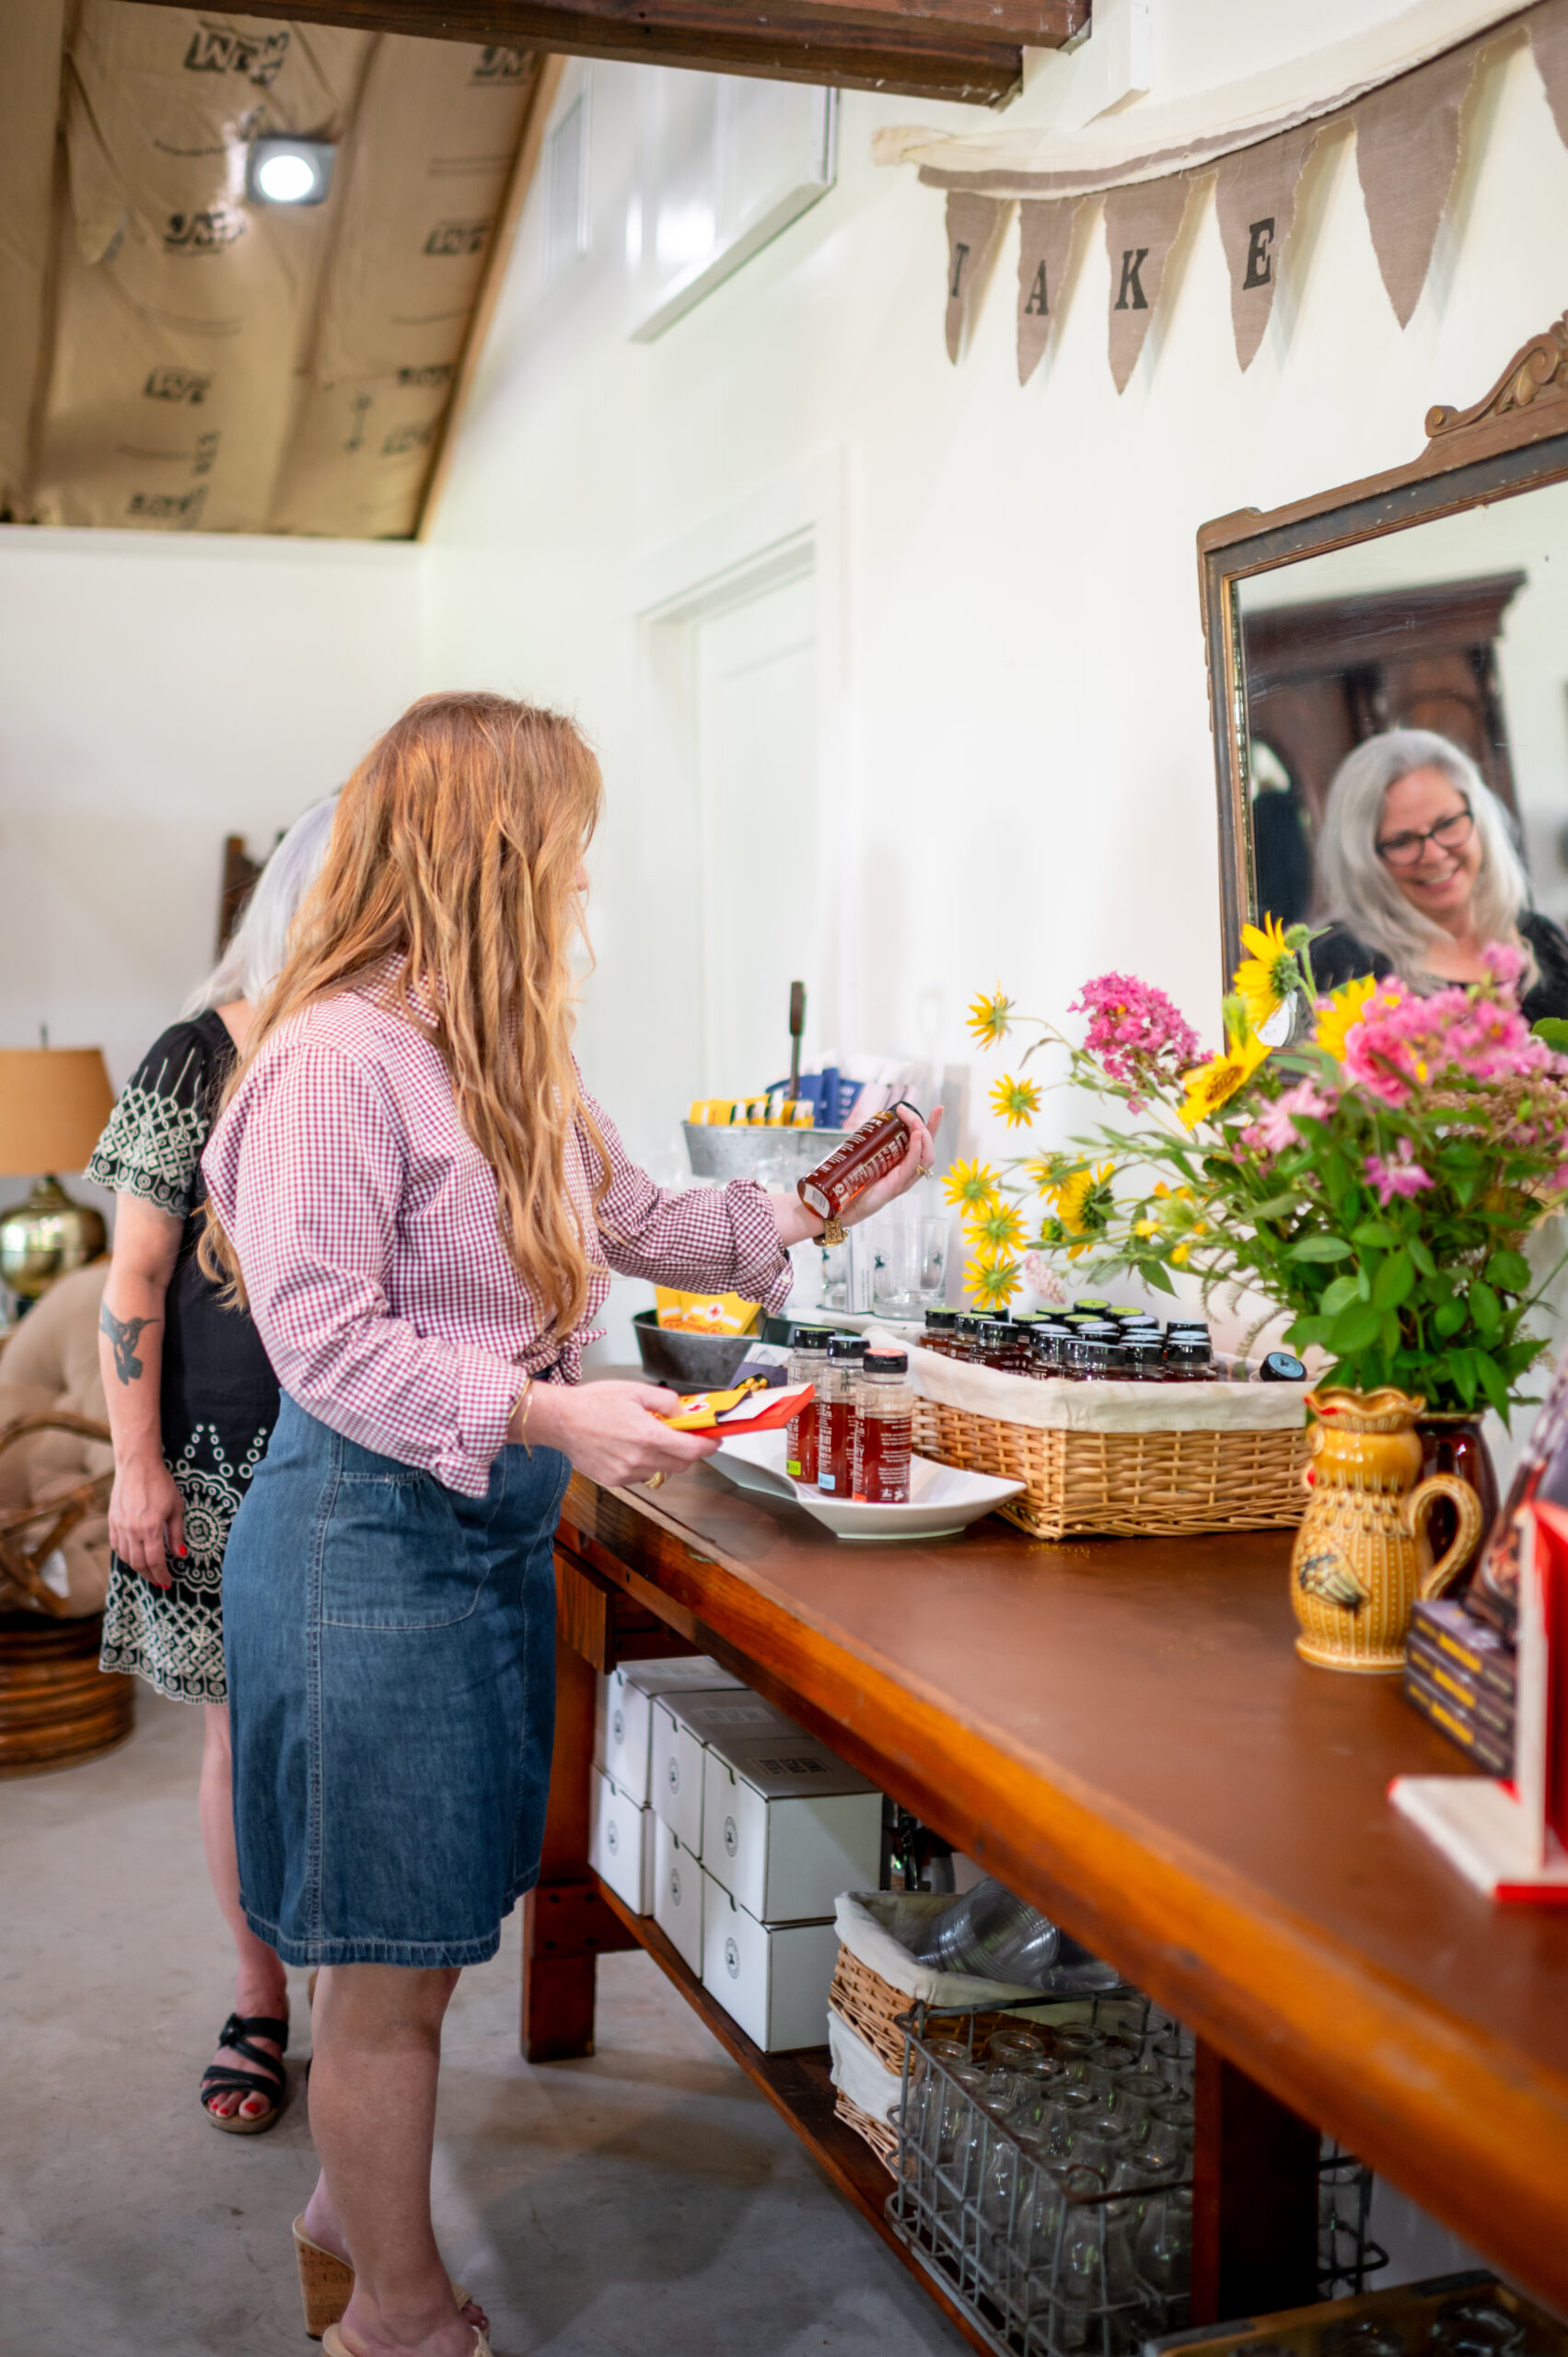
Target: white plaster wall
(1023, 788)
(156, 693)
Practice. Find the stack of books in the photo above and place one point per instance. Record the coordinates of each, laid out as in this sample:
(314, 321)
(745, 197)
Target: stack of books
(1460, 1673)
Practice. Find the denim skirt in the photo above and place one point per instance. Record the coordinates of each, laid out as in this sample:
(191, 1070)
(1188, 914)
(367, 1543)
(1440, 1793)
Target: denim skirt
(390, 1654)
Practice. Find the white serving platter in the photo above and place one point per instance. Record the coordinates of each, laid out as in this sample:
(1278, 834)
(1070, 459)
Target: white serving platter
(942, 1499)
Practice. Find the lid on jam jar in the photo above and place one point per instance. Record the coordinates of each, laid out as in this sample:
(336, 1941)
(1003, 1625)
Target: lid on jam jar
(886, 1362)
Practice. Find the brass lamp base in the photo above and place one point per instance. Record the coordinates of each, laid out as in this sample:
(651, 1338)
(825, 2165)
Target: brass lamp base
(46, 1237)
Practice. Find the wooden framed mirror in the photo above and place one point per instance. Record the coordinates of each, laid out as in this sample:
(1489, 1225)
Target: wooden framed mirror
(1432, 597)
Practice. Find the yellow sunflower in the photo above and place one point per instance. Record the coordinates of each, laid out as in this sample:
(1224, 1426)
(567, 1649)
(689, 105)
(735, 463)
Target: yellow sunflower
(1000, 1228)
(971, 1185)
(1040, 1174)
(988, 1018)
(1267, 979)
(1346, 1008)
(1076, 1194)
(1215, 1083)
(1016, 1101)
(993, 1280)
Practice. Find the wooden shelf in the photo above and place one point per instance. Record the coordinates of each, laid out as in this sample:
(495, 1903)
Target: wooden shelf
(799, 2088)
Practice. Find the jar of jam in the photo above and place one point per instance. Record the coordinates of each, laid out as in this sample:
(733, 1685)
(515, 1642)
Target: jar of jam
(1142, 1358)
(1004, 1347)
(1047, 1344)
(1188, 1357)
(966, 1336)
(835, 1414)
(865, 1156)
(939, 1335)
(1281, 1367)
(884, 1429)
(1095, 1359)
(808, 1361)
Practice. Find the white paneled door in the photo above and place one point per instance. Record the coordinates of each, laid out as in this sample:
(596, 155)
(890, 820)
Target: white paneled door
(757, 764)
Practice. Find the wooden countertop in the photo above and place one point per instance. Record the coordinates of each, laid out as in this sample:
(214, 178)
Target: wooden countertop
(1122, 1732)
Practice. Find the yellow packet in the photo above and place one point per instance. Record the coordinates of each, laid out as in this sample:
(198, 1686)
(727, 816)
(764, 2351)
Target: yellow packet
(704, 1313)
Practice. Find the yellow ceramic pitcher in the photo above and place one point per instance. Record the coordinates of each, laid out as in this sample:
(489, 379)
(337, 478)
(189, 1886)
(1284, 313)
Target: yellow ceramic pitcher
(1362, 1555)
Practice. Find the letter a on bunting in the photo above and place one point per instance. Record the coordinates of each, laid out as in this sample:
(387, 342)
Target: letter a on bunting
(1141, 225)
(974, 239)
(1045, 234)
(1254, 199)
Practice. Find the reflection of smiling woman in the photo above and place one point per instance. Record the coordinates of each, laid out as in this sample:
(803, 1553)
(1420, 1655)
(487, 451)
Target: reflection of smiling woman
(1419, 873)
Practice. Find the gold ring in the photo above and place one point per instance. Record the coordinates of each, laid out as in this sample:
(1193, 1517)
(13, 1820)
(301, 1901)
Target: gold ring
(654, 1480)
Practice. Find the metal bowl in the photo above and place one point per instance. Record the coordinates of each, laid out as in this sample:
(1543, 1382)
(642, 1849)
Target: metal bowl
(689, 1361)
(720, 1150)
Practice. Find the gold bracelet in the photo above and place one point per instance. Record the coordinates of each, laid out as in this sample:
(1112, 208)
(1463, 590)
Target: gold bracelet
(525, 1403)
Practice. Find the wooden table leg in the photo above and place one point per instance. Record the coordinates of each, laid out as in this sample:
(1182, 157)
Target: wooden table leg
(1254, 2198)
(567, 1926)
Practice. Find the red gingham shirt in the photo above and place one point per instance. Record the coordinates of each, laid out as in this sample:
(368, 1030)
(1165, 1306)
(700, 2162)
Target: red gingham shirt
(367, 1227)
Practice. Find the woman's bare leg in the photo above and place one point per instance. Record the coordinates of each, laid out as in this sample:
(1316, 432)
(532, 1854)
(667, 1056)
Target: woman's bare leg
(376, 2055)
(260, 1985)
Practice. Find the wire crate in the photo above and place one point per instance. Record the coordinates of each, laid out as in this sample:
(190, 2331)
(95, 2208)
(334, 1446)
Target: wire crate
(1055, 2248)
(1061, 2214)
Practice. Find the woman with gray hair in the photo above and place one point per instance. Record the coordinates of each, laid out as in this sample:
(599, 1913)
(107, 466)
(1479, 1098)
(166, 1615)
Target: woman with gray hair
(1419, 873)
(191, 1405)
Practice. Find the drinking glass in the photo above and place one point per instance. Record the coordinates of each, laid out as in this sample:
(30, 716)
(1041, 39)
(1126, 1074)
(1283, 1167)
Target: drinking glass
(1363, 2337)
(1477, 2328)
(1164, 2246)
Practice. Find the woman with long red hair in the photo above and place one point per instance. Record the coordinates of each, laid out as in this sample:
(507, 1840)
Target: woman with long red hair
(421, 1205)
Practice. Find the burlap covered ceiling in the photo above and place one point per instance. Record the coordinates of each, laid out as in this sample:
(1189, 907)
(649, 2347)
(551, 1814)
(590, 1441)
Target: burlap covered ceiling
(176, 357)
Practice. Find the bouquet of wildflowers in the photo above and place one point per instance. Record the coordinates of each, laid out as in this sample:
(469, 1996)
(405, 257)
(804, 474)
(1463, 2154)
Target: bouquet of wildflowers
(1372, 1162)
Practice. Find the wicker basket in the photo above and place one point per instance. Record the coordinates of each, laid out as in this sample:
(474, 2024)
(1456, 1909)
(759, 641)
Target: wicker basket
(1162, 1484)
(880, 2134)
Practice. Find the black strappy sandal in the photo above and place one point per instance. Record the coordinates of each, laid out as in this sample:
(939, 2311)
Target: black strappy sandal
(267, 2079)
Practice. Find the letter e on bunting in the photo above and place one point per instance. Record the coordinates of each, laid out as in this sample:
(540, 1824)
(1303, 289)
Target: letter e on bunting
(1548, 38)
(1141, 226)
(1407, 147)
(975, 225)
(1045, 235)
(1254, 200)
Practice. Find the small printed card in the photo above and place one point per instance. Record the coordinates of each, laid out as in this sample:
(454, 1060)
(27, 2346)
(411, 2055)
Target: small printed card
(752, 1406)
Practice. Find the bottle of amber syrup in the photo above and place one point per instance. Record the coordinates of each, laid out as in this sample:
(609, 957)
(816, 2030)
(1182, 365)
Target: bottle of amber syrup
(867, 1154)
(836, 1387)
(884, 1429)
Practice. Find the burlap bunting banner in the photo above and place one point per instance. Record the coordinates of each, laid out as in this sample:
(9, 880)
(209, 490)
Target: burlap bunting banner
(1407, 150)
(1548, 38)
(1141, 226)
(1409, 134)
(975, 225)
(1255, 202)
(1045, 238)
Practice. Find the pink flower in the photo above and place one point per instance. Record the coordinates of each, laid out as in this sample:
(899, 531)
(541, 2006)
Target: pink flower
(1503, 962)
(1274, 1128)
(1132, 1026)
(1402, 1176)
(1403, 1042)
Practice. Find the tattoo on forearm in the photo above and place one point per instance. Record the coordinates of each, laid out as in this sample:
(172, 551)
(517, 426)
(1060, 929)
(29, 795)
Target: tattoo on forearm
(125, 1333)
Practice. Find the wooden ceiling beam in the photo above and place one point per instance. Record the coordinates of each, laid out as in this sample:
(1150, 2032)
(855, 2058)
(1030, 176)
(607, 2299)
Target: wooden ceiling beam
(965, 50)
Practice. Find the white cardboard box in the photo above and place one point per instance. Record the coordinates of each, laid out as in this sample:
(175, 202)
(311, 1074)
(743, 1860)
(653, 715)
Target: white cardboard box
(786, 1824)
(682, 1725)
(623, 1713)
(678, 1896)
(773, 1979)
(621, 1842)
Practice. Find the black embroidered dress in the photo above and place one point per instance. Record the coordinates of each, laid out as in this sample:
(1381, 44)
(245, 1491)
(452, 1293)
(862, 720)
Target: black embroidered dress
(219, 1397)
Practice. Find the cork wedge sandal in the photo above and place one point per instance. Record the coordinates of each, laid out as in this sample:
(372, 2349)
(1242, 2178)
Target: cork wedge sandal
(335, 2345)
(326, 2284)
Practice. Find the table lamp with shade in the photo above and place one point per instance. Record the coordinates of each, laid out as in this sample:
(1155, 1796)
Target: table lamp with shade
(53, 1104)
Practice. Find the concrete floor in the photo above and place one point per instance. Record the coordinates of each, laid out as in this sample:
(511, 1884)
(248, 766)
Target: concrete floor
(644, 2201)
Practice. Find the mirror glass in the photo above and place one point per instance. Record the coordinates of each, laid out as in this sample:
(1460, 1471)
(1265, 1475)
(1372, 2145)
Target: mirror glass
(1459, 625)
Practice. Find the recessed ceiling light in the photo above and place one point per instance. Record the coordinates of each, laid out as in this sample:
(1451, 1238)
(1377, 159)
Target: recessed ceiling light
(290, 171)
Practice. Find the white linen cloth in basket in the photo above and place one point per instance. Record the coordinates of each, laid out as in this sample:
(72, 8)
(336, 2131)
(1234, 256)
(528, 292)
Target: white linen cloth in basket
(1101, 1407)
